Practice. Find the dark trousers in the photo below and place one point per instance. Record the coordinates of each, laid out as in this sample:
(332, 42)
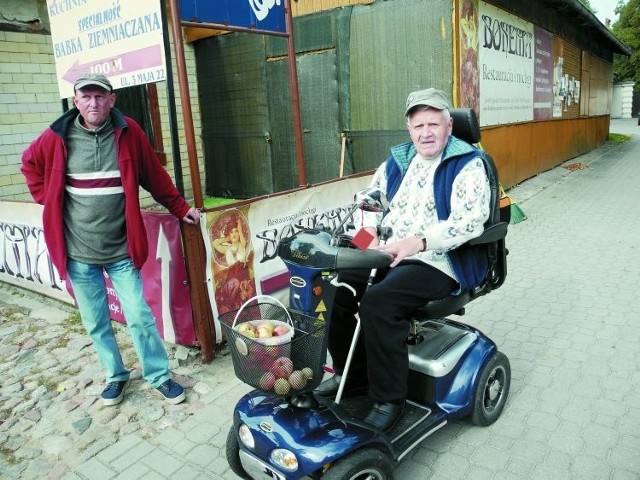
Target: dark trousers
(381, 353)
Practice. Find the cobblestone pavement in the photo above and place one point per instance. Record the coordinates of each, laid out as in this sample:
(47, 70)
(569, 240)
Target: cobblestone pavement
(565, 318)
(51, 415)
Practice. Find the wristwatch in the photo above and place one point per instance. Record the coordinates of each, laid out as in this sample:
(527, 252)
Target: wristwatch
(424, 243)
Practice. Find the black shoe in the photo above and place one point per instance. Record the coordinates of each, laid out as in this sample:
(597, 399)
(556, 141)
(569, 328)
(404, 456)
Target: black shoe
(383, 415)
(329, 387)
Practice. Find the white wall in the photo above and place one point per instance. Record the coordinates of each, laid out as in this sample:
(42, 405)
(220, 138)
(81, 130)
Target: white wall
(622, 100)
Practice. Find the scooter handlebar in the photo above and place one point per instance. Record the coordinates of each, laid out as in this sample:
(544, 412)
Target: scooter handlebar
(313, 248)
(352, 258)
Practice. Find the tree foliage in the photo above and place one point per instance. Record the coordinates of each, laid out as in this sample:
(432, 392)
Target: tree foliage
(627, 29)
(587, 4)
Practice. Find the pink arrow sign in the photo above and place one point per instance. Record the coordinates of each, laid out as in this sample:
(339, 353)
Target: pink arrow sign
(141, 59)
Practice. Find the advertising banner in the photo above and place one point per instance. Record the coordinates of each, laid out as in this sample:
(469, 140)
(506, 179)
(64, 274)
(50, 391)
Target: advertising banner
(24, 258)
(506, 67)
(120, 39)
(469, 73)
(266, 15)
(25, 262)
(543, 82)
(241, 242)
(165, 280)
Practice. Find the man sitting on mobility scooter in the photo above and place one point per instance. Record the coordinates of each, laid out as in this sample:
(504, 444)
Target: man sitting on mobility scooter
(439, 198)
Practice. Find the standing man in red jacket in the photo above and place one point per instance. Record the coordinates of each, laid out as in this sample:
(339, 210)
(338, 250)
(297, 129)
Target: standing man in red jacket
(86, 170)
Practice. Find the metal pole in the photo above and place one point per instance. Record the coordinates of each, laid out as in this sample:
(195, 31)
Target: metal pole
(194, 249)
(173, 116)
(187, 114)
(295, 97)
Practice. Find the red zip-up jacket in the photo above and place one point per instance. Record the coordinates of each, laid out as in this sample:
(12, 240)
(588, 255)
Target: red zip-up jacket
(44, 165)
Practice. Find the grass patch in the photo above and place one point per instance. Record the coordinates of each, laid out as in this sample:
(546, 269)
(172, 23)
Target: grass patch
(618, 138)
(29, 328)
(74, 319)
(48, 383)
(77, 327)
(14, 313)
(213, 202)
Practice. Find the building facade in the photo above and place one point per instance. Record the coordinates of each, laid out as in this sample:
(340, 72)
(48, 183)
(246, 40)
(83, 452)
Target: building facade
(539, 75)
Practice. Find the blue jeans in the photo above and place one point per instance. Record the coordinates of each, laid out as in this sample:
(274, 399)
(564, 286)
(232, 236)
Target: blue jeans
(91, 296)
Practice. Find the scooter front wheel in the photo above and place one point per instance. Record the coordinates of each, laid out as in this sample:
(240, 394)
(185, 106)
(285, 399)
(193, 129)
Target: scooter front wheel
(233, 455)
(363, 464)
(492, 390)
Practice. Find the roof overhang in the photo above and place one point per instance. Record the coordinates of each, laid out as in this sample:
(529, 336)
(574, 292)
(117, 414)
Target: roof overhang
(575, 11)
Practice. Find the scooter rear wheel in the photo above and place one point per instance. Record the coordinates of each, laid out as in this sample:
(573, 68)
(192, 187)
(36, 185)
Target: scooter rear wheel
(366, 463)
(233, 455)
(492, 390)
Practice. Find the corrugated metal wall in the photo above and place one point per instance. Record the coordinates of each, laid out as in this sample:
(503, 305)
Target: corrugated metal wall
(318, 111)
(356, 66)
(396, 47)
(234, 103)
(318, 70)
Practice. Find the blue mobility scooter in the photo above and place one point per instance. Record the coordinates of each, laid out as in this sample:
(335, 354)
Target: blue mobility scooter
(455, 370)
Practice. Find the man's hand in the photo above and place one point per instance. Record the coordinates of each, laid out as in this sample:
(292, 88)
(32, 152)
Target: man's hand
(192, 217)
(401, 249)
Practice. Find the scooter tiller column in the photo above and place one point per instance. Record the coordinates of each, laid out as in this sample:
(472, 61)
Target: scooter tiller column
(384, 235)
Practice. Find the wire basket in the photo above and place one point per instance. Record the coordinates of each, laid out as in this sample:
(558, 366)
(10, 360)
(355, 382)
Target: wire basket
(290, 363)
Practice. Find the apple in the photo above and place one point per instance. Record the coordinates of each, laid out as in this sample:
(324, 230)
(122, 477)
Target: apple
(265, 332)
(307, 372)
(243, 327)
(273, 350)
(282, 367)
(265, 324)
(280, 330)
(297, 380)
(247, 330)
(260, 359)
(281, 387)
(267, 381)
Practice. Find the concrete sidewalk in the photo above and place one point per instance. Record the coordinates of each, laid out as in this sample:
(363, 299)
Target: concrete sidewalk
(565, 318)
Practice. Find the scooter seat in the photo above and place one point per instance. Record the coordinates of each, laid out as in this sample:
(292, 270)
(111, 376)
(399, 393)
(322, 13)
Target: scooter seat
(453, 304)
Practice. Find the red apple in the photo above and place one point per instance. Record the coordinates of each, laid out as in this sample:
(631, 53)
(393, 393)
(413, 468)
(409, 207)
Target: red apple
(282, 367)
(273, 350)
(280, 330)
(267, 381)
(260, 359)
